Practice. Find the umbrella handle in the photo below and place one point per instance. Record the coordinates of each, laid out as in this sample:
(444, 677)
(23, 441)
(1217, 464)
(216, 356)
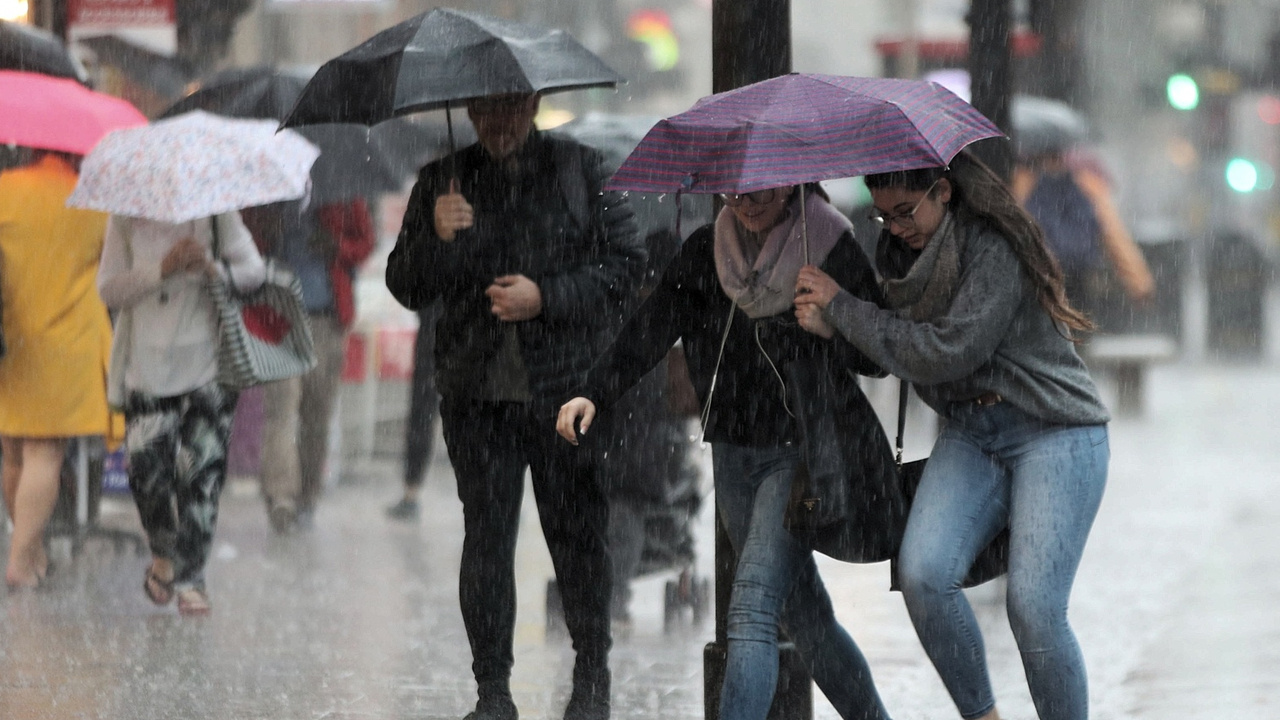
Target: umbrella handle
(453, 161)
(804, 225)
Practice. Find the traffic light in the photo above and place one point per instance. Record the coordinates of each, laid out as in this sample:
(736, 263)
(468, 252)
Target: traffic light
(1245, 176)
(1182, 91)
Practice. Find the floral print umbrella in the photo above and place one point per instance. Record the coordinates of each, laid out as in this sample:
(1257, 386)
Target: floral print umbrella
(192, 166)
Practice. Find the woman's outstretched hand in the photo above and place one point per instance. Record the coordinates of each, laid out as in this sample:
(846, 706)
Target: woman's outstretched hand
(575, 417)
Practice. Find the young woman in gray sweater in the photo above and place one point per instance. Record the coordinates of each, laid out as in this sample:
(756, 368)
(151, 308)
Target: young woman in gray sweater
(978, 322)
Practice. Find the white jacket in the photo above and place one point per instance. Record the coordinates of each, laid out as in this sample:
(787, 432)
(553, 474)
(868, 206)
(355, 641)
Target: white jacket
(170, 325)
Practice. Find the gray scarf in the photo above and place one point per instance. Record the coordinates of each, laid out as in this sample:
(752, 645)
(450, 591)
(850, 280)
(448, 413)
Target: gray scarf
(925, 292)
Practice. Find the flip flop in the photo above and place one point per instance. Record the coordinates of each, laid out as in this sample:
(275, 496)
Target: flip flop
(157, 590)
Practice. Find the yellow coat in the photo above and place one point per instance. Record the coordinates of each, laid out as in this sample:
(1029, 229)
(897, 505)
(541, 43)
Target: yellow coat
(56, 328)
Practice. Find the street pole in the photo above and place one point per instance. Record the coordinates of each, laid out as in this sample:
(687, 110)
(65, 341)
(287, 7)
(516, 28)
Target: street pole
(750, 42)
(991, 77)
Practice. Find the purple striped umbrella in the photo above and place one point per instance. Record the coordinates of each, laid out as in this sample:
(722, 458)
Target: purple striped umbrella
(801, 128)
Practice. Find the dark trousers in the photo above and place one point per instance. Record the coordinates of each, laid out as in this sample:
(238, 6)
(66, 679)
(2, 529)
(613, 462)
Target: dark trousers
(419, 437)
(490, 444)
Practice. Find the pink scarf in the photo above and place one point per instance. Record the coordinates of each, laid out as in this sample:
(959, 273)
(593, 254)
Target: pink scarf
(767, 286)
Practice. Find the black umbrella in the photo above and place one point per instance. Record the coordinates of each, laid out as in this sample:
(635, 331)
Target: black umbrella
(440, 57)
(354, 160)
(167, 76)
(28, 49)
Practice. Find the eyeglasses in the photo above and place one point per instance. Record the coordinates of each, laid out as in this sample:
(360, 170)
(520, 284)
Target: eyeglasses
(759, 197)
(905, 220)
(497, 104)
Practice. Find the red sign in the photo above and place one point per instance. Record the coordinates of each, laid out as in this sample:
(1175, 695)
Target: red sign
(121, 13)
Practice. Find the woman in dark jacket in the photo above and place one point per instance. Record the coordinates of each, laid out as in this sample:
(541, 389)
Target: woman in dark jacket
(728, 296)
(979, 323)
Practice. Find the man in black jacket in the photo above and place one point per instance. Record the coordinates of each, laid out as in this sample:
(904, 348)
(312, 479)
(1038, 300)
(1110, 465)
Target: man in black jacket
(535, 265)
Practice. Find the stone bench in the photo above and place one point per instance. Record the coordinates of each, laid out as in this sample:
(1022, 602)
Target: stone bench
(1127, 358)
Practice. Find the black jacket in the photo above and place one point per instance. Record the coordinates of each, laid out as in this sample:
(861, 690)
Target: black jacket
(689, 305)
(550, 221)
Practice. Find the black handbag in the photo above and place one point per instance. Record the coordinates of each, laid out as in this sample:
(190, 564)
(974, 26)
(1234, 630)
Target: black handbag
(845, 501)
(992, 562)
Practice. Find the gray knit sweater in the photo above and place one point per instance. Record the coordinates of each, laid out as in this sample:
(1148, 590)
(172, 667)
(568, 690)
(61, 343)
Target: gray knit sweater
(994, 338)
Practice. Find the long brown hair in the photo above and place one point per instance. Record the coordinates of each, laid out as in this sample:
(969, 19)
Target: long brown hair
(980, 194)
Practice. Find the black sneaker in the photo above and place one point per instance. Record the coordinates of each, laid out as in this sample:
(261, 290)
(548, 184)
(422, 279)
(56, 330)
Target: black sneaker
(406, 509)
(494, 707)
(590, 698)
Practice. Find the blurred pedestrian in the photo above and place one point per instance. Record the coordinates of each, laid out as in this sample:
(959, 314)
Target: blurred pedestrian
(533, 263)
(728, 297)
(978, 322)
(324, 247)
(424, 402)
(646, 470)
(1073, 205)
(57, 339)
(164, 366)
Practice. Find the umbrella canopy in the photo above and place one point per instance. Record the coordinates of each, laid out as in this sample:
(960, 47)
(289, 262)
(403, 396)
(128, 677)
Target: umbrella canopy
(166, 76)
(193, 166)
(52, 113)
(354, 160)
(28, 49)
(1043, 125)
(616, 136)
(801, 128)
(443, 56)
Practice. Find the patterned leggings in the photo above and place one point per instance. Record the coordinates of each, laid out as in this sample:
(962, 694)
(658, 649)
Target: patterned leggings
(177, 460)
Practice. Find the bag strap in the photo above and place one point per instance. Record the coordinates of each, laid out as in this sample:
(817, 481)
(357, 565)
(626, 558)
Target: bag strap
(903, 389)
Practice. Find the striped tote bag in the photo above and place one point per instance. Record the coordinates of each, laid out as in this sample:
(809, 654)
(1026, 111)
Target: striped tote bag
(263, 334)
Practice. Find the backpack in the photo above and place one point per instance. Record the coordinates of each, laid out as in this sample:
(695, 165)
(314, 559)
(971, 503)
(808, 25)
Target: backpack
(1070, 225)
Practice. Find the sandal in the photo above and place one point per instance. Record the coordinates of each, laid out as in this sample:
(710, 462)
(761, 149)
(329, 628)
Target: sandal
(158, 591)
(193, 602)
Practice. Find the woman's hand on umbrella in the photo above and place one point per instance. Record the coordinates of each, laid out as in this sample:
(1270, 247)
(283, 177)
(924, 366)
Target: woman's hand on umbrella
(453, 213)
(577, 412)
(814, 290)
(186, 255)
(810, 318)
(815, 287)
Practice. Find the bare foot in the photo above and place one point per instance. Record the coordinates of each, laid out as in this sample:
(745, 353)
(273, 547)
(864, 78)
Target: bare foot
(193, 602)
(17, 580)
(41, 563)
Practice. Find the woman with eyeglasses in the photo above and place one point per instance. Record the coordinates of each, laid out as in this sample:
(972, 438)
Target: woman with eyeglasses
(729, 296)
(977, 321)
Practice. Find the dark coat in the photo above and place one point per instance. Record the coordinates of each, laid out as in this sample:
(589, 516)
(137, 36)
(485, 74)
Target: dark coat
(549, 221)
(689, 305)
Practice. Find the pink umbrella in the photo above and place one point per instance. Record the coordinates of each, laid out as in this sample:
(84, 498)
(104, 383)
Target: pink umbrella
(42, 111)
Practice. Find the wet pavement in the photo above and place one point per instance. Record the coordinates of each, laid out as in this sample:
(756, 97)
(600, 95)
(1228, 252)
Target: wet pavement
(358, 617)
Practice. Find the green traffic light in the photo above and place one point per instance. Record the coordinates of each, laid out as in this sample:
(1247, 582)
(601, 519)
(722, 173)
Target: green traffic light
(1182, 91)
(1242, 175)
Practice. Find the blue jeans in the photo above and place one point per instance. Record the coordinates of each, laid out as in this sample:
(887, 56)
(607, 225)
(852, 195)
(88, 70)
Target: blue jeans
(752, 489)
(991, 466)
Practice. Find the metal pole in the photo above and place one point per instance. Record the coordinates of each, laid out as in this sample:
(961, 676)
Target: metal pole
(750, 42)
(991, 77)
